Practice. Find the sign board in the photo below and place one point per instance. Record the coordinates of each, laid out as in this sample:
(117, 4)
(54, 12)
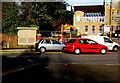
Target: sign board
(67, 30)
(106, 28)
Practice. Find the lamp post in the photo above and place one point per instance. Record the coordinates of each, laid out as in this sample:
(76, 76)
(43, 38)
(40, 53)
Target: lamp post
(110, 19)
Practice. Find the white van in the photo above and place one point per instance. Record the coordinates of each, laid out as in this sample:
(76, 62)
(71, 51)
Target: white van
(105, 41)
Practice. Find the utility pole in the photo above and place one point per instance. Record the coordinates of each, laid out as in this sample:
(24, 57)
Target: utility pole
(110, 19)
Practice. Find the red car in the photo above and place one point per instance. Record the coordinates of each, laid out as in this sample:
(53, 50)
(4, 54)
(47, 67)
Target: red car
(85, 45)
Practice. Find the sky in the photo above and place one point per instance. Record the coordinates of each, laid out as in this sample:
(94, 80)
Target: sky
(85, 2)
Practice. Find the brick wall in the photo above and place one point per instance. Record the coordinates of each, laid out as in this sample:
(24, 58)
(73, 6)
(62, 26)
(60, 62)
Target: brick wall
(12, 40)
(8, 38)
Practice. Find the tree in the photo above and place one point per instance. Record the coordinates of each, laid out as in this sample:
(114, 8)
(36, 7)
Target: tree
(45, 16)
(11, 19)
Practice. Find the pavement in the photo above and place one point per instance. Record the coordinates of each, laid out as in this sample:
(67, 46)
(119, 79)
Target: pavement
(17, 50)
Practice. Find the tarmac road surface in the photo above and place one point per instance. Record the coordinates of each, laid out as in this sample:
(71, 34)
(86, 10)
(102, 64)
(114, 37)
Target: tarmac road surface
(57, 67)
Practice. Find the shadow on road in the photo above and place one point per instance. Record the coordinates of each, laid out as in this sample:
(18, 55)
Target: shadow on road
(20, 70)
(23, 67)
(25, 59)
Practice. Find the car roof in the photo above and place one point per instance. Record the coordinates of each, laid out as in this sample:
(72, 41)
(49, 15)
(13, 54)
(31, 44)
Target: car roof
(47, 39)
(83, 38)
(80, 38)
(94, 36)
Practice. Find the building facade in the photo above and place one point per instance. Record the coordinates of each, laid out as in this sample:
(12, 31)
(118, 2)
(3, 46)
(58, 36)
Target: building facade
(91, 20)
(115, 18)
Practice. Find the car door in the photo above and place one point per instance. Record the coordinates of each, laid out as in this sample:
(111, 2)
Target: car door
(82, 45)
(57, 45)
(89, 45)
(48, 44)
(108, 42)
(92, 46)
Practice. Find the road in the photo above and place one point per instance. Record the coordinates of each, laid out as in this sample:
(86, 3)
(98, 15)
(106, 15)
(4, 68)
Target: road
(70, 58)
(58, 67)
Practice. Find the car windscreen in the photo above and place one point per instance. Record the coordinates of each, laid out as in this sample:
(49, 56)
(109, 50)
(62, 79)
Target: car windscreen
(71, 41)
(38, 41)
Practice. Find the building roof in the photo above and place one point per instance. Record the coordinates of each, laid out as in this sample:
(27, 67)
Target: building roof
(90, 9)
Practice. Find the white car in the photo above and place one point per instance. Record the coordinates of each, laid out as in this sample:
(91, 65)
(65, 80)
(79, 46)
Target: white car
(105, 41)
(48, 44)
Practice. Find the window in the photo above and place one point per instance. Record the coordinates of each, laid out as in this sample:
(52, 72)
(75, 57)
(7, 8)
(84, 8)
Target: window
(93, 29)
(83, 41)
(118, 13)
(107, 40)
(113, 18)
(71, 41)
(78, 17)
(55, 42)
(47, 41)
(101, 29)
(86, 41)
(86, 28)
(113, 13)
(91, 42)
(117, 28)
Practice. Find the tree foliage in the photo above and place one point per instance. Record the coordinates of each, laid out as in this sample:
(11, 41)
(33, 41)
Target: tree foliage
(11, 19)
(43, 15)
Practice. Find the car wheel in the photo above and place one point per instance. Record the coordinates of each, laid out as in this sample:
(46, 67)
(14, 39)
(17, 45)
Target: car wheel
(103, 51)
(77, 51)
(63, 49)
(116, 48)
(42, 49)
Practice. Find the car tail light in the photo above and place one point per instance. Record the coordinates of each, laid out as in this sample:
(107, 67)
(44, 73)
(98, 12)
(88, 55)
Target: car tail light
(69, 45)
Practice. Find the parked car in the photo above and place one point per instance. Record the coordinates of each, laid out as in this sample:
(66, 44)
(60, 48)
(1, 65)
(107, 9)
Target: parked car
(48, 44)
(115, 34)
(105, 41)
(85, 45)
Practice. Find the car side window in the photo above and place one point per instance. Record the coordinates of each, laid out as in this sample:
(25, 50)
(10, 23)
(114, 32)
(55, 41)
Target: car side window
(91, 42)
(83, 41)
(47, 41)
(107, 40)
(55, 42)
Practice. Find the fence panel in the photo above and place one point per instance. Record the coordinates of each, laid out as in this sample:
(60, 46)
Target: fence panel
(117, 40)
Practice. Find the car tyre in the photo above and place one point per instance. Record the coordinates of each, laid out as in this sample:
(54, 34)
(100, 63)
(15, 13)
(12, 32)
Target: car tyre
(116, 48)
(42, 49)
(103, 51)
(63, 49)
(77, 51)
